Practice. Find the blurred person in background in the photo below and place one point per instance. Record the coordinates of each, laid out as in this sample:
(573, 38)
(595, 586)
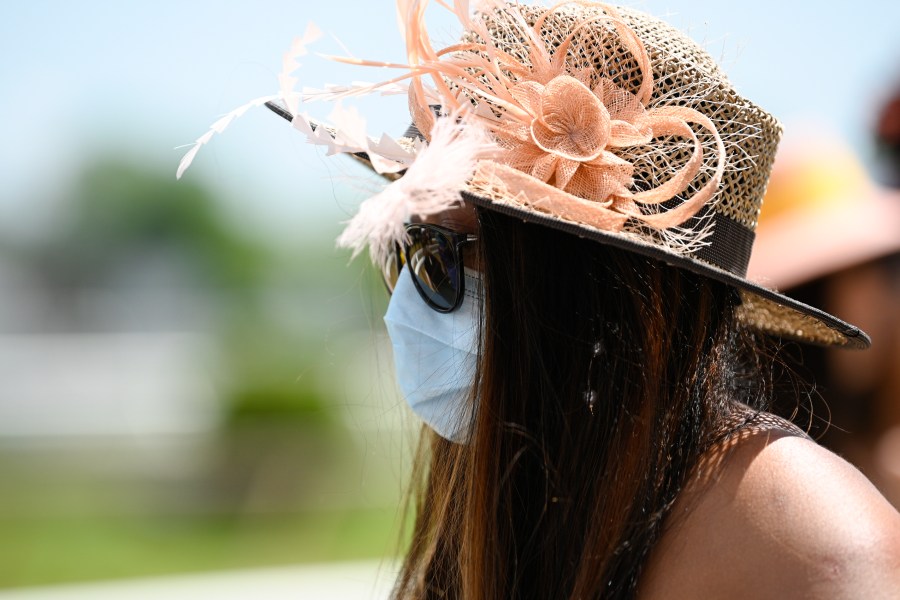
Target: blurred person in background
(565, 244)
(830, 237)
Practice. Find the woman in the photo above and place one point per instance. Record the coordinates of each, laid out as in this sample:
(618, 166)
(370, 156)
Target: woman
(566, 238)
(614, 453)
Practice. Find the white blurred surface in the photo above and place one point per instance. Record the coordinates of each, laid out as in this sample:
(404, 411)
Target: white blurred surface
(105, 384)
(366, 580)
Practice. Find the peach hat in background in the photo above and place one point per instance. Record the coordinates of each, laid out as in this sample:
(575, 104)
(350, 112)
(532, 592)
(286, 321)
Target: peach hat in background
(821, 214)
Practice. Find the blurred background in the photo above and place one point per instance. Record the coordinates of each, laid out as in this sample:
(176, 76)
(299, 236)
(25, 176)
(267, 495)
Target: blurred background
(192, 378)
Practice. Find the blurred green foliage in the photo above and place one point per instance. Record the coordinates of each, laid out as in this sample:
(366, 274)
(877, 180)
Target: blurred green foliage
(283, 478)
(56, 550)
(117, 211)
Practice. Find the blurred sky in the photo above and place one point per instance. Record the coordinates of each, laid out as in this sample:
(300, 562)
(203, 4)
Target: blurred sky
(137, 78)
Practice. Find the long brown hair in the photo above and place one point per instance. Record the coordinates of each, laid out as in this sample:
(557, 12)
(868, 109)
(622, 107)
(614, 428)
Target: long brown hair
(603, 377)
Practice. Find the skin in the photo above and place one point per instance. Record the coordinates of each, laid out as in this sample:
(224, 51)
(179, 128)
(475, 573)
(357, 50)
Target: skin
(461, 219)
(767, 514)
(777, 516)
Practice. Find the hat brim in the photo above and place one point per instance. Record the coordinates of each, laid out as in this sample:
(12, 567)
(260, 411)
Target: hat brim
(762, 308)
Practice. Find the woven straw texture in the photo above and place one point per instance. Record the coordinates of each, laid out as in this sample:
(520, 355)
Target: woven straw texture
(776, 319)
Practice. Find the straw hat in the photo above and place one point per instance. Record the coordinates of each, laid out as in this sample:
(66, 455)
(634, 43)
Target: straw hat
(821, 215)
(602, 122)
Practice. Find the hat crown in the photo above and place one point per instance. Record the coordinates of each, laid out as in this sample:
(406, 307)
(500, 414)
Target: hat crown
(682, 75)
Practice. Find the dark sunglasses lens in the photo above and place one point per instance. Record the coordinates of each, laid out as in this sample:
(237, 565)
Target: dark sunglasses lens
(391, 268)
(431, 258)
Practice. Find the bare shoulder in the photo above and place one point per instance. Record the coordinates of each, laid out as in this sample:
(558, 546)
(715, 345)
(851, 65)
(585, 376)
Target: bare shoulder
(770, 513)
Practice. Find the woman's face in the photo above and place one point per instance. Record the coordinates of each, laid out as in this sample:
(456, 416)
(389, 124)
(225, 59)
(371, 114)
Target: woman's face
(436, 352)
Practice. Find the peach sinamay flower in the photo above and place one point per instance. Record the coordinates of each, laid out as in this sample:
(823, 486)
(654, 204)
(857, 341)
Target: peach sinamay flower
(567, 144)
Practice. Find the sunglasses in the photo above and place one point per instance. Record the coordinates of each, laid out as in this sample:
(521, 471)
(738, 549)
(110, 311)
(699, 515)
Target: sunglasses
(433, 256)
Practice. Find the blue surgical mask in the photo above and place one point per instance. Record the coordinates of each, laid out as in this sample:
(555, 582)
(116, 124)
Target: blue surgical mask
(435, 355)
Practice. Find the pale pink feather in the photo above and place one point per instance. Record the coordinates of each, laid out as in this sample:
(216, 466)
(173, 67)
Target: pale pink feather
(430, 185)
(217, 127)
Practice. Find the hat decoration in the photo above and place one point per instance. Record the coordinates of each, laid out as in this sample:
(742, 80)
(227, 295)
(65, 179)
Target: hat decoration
(558, 135)
(600, 121)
